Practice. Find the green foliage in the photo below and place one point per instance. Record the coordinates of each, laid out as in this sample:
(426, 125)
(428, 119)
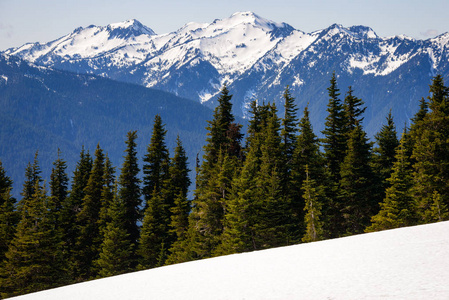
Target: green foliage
(116, 254)
(431, 151)
(89, 237)
(129, 192)
(312, 220)
(34, 259)
(398, 207)
(8, 215)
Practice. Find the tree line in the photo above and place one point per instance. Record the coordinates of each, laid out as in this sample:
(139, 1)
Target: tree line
(278, 185)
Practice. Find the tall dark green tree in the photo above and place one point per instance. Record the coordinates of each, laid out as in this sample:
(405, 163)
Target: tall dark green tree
(116, 251)
(156, 161)
(356, 201)
(222, 158)
(34, 259)
(398, 208)
(107, 197)
(8, 213)
(307, 153)
(312, 207)
(431, 151)
(32, 176)
(58, 187)
(88, 242)
(129, 192)
(353, 111)
(289, 126)
(71, 207)
(334, 145)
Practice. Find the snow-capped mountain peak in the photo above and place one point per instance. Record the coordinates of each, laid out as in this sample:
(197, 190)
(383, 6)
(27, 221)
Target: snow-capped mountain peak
(133, 26)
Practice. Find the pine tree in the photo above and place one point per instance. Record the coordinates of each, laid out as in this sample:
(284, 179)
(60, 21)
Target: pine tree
(431, 150)
(384, 155)
(307, 153)
(289, 126)
(334, 146)
(71, 207)
(89, 239)
(221, 160)
(116, 254)
(352, 111)
(129, 192)
(32, 176)
(8, 213)
(156, 161)
(34, 259)
(312, 220)
(58, 187)
(107, 197)
(356, 201)
(398, 207)
(154, 232)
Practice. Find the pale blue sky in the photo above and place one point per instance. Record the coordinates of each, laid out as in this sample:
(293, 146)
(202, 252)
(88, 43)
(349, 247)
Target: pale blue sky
(23, 21)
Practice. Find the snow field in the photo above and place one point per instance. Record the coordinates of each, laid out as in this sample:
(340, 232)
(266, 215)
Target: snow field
(406, 263)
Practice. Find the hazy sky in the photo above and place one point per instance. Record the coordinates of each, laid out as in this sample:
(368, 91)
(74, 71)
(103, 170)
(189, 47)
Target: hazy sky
(23, 21)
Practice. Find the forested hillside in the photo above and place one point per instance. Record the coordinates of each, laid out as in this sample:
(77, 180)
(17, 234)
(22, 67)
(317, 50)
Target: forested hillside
(278, 185)
(43, 110)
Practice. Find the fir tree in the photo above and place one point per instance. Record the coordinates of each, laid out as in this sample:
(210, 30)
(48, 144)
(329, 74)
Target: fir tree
(154, 232)
(384, 155)
(431, 150)
(334, 146)
(32, 176)
(34, 259)
(116, 254)
(107, 197)
(307, 153)
(352, 111)
(356, 201)
(71, 207)
(313, 224)
(398, 207)
(89, 239)
(8, 214)
(58, 187)
(129, 192)
(156, 161)
(289, 126)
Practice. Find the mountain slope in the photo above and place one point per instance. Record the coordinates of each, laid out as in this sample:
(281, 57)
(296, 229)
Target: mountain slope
(43, 109)
(257, 58)
(406, 263)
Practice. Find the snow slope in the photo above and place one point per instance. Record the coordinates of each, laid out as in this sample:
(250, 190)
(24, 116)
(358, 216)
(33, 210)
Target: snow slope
(406, 263)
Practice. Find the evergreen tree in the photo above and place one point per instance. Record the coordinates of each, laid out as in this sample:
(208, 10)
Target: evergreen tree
(154, 233)
(356, 201)
(334, 142)
(307, 153)
(8, 214)
(156, 161)
(71, 207)
(384, 155)
(398, 207)
(58, 187)
(221, 160)
(431, 151)
(313, 224)
(352, 111)
(129, 192)
(334, 146)
(34, 259)
(289, 126)
(32, 176)
(89, 239)
(107, 197)
(116, 254)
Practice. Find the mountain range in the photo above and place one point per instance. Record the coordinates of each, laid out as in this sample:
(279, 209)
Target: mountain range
(256, 58)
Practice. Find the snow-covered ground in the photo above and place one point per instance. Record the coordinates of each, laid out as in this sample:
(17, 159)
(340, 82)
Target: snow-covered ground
(407, 263)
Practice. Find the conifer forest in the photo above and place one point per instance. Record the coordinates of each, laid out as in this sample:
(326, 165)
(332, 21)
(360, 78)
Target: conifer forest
(274, 185)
